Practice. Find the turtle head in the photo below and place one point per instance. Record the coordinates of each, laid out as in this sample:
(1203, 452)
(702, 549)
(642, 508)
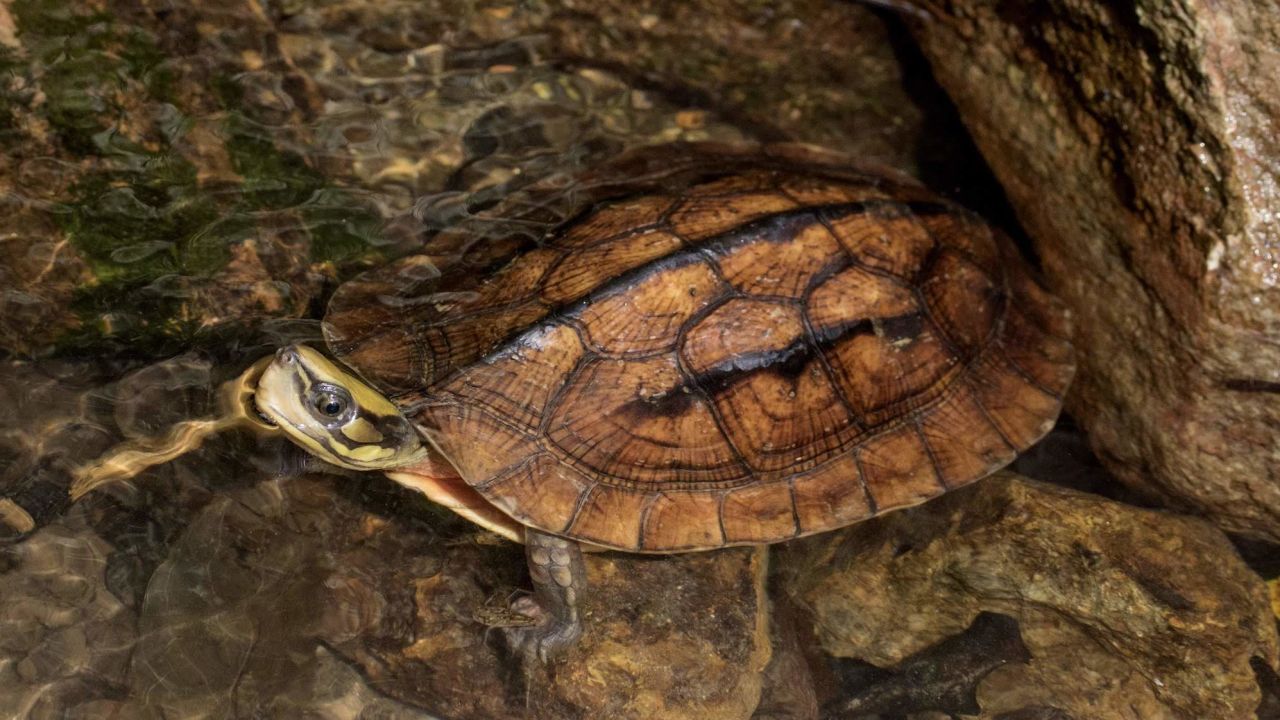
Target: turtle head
(334, 415)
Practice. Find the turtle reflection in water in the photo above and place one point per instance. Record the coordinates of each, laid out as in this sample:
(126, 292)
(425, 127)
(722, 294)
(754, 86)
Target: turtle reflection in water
(710, 346)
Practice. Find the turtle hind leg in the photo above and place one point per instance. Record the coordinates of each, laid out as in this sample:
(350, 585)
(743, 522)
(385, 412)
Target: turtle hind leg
(559, 579)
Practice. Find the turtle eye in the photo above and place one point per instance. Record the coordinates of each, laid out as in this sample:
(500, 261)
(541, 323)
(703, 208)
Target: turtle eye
(331, 404)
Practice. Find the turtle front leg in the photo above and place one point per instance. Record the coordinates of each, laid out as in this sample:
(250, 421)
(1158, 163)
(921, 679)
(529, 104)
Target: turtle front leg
(559, 578)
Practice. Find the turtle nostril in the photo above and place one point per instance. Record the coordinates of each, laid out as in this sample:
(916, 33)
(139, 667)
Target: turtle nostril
(287, 355)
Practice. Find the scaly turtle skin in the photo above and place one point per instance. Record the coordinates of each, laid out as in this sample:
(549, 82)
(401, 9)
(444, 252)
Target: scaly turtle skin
(693, 347)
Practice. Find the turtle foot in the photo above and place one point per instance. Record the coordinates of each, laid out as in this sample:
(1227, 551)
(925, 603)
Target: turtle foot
(558, 575)
(547, 639)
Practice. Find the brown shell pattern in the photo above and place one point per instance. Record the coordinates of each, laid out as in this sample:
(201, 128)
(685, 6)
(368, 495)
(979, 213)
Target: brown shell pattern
(702, 346)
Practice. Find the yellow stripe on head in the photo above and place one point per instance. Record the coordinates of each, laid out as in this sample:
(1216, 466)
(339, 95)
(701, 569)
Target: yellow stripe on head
(334, 415)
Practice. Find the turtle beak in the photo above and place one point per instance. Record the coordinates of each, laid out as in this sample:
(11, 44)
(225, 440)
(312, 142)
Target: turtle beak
(239, 397)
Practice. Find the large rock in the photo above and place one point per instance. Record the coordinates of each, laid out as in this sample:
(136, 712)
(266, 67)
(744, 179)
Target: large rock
(1140, 146)
(273, 590)
(1119, 612)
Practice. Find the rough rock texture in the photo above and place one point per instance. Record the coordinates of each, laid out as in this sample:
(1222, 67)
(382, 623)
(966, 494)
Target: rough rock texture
(668, 637)
(942, 678)
(1127, 613)
(274, 590)
(1140, 146)
(790, 691)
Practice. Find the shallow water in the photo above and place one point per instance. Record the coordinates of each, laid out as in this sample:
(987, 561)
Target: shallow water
(182, 187)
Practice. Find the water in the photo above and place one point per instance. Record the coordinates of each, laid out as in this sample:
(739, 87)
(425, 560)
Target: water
(182, 187)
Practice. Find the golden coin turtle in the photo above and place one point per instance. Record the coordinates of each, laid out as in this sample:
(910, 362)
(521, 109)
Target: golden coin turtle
(691, 347)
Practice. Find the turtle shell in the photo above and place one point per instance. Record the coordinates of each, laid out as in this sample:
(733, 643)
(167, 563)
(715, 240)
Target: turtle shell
(698, 346)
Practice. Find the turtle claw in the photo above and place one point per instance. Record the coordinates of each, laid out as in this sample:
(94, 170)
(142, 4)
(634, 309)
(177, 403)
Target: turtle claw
(547, 639)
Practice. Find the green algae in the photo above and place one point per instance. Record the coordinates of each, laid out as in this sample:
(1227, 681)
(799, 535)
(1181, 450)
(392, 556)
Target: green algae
(89, 61)
(341, 229)
(134, 207)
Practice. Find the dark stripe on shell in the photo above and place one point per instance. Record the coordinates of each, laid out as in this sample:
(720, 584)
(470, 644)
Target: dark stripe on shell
(771, 228)
(788, 362)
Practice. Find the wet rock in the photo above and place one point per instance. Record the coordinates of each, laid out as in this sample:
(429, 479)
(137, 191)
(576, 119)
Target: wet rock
(1125, 612)
(271, 585)
(39, 273)
(1138, 145)
(449, 96)
(231, 619)
(790, 691)
(136, 204)
(665, 637)
(52, 426)
(836, 77)
(941, 678)
(64, 639)
(682, 636)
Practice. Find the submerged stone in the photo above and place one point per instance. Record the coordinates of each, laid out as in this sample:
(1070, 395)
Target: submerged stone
(269, 585)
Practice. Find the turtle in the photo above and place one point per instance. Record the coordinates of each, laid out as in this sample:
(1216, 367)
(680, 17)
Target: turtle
(690, 347)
